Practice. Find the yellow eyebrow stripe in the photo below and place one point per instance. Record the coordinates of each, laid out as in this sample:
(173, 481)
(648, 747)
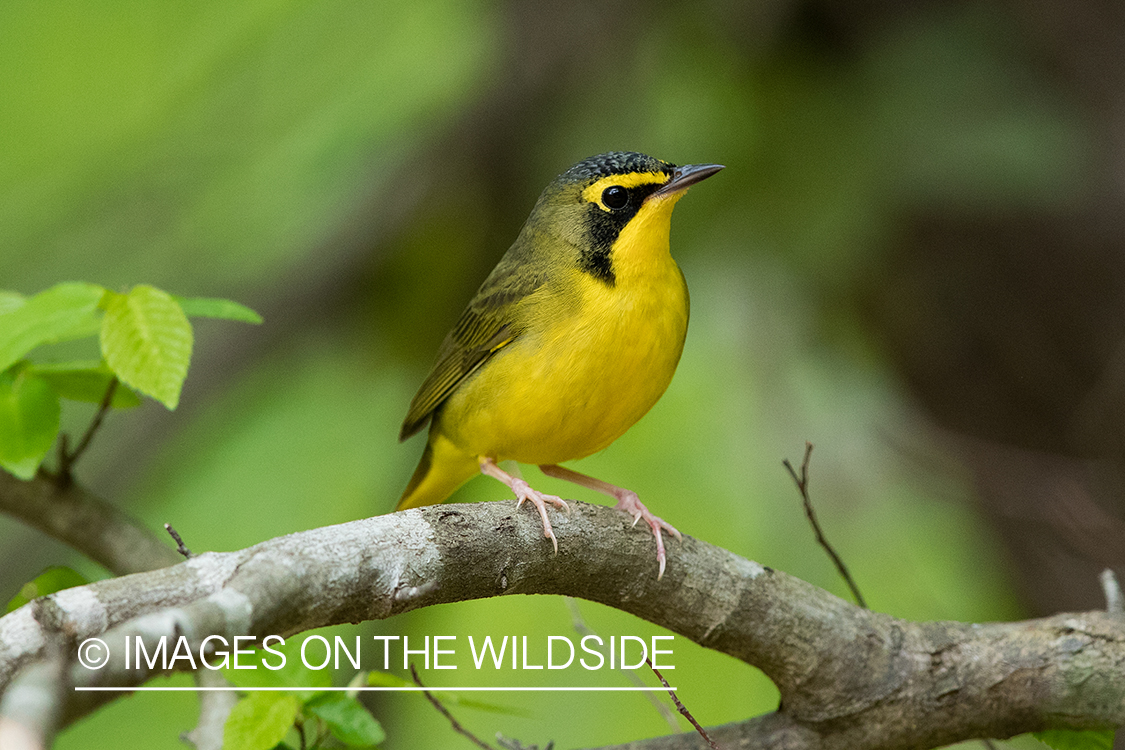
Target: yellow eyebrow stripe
(593, 194)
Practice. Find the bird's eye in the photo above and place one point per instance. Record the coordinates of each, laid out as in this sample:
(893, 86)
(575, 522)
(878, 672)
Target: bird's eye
(615, 197)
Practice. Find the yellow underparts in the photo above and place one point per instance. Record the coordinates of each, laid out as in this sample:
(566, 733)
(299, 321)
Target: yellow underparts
(593, 360)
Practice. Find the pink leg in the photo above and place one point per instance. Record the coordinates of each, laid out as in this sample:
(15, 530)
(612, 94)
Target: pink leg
(524, 492)
(627, 501)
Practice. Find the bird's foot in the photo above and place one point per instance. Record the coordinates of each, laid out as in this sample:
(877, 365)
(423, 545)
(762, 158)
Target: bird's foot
(629, 502)
(524, 492)
(540, 500)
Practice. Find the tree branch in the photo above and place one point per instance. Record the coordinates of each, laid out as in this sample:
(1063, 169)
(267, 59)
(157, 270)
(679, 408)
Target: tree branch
(214, 708)
(85, 522)
(29, 710)
(848, 677)
(62, 509)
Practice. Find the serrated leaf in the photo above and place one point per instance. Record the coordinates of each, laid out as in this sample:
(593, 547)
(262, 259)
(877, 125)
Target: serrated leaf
(63, 312)
(347, 719)
(29, 421)
(86, 380)
(146, 339)
(49, 581)
(214, 307)
(1071, 739)
(260, 721)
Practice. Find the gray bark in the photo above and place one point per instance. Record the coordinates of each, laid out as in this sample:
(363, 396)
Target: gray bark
(848, 677)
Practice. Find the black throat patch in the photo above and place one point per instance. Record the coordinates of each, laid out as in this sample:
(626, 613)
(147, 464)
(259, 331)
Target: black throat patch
(602, 230)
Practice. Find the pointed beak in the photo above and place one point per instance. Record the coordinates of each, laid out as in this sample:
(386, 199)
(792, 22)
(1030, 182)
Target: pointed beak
(686, 176)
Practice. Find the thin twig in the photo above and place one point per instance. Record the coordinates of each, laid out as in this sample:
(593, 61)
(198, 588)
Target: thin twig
(179, 542)
(300, 727)
(67, 459)
(444, 712)
(802, 481)
(583, 629)
(63, 478)
(510, 744)
(1114, 602)
(680, 706)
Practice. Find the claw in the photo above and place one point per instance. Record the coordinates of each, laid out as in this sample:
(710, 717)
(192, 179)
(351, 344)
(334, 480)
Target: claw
(631, 504)
(539, 500)
(524, 492)
(627, 501)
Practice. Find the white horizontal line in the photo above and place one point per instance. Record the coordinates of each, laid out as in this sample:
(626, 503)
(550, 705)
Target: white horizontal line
(404, 689)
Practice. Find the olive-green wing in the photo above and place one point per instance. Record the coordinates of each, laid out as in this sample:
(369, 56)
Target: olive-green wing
(486, 326)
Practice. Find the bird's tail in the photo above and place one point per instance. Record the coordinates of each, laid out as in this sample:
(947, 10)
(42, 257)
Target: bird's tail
(442, 469)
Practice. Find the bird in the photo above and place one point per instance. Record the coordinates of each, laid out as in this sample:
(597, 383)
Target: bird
(570, 340)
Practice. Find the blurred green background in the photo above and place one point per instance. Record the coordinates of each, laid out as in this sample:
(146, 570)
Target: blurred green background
(911, 260)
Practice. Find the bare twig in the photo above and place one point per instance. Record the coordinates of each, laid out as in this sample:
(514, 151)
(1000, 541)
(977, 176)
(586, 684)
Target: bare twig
(67, 459)
(583, 629)
(1114, 602)
(510, 744)
(62, 478)
(445, 712)
(682, 709)
(802, 481)
(179, 542)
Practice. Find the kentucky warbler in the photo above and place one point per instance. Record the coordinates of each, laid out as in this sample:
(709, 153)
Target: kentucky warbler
(569, 341)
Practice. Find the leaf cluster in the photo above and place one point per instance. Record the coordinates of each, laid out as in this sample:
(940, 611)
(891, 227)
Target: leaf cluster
(145, 342)
(261, 720)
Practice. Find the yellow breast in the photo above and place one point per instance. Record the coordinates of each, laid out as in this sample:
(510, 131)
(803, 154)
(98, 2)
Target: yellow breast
(593, 359)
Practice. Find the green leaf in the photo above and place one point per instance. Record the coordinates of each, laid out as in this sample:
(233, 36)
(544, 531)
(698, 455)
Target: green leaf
(63, 312)
(49, 581)
(84, 381)
(213, 307)
(375, 678)
(260, 721)
(347, 719)
(29, 421)
(1071, 739)
(294, 674)
(146, 340)
(10, 300)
